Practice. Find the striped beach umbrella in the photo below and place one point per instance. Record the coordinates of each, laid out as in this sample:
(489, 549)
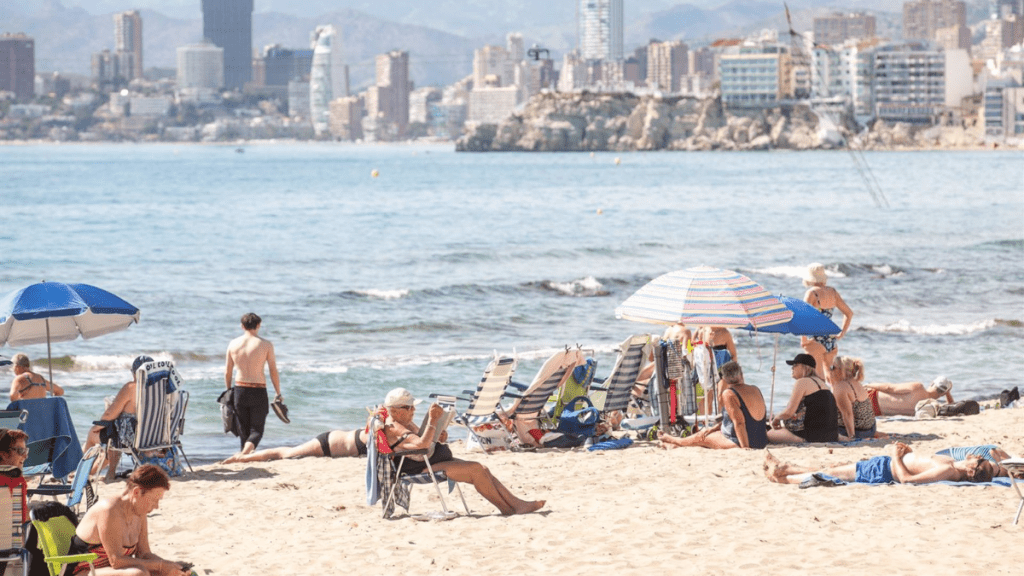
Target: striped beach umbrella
(704, 296)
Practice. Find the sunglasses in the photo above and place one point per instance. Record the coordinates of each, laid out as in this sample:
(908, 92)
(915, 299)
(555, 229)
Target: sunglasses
(21, 450)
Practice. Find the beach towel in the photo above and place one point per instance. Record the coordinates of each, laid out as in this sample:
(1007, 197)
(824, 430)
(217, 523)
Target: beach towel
(614, 444)
(50, 418)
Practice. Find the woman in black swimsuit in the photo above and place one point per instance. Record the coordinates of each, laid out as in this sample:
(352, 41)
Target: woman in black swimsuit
(811, 415)
(333, 444)
(402, 433)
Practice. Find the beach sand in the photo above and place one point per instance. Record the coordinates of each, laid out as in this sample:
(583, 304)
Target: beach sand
(641, 510)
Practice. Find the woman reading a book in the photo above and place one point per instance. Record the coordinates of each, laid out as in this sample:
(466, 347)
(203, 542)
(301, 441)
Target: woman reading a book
(403, 435)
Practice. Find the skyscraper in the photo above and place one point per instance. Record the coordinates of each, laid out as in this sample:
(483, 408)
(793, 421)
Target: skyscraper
(599, 29)
(228, 24)
(393, 77)
(18, 65)
(128, 38)
(326, 77)
(923, 17)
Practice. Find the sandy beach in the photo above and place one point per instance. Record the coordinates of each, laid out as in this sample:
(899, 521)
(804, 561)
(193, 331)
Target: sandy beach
(635, 511)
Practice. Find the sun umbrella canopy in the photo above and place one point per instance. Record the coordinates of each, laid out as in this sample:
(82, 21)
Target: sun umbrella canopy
(704, 296)
(806, 321)
(57, 312)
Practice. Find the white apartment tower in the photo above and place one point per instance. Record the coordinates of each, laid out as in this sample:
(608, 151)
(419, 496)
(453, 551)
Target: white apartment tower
(599, 29)
(326, 76)
(200, 66)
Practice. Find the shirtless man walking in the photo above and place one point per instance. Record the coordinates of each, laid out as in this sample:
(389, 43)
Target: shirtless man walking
(245, 360)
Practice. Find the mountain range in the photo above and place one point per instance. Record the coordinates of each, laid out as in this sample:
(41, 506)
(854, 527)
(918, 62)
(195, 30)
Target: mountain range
(440, 35)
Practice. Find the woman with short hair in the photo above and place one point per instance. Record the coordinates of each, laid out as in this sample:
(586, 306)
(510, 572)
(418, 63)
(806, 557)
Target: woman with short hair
(824, 299)
(117, 530)
(27, 385)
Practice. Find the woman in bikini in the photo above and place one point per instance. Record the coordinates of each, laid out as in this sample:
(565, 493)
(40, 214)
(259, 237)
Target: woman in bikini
(824, 299)
(856, 414)
(117, 530)
(403, 434)
(333, 444)
(27, 385)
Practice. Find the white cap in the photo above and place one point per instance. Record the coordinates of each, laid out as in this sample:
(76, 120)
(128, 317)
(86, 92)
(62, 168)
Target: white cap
(942, 384)
(399, 397)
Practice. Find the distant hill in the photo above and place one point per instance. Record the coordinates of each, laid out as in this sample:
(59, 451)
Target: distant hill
(440, 35)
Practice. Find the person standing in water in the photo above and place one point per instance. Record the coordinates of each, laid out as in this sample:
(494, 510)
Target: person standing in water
(825, 299)
(246, 357)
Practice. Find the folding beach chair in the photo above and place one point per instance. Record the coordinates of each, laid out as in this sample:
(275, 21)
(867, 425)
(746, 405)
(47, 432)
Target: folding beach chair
(613, 393)
(53, 447)
(80, 487)
(55, 529)
(576, 386)
(391, 490)
(12, 521)
(481, 418)
(12, 419)
(528, 408)
(160, 411)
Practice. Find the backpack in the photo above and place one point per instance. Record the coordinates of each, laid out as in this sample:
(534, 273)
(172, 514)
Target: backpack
(581, 421)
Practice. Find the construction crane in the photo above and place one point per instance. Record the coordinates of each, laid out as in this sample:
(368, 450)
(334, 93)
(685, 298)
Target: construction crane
(802, 59)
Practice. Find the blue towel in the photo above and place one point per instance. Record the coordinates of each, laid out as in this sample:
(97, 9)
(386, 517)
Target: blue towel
(372, 484)
(612, 444)
(49, 418)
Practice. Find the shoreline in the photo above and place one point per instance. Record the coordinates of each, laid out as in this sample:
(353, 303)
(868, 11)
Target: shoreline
(629, 511)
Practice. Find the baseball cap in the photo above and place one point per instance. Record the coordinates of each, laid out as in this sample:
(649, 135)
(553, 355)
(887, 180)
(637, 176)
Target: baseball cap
(805, 359)
(399, 397)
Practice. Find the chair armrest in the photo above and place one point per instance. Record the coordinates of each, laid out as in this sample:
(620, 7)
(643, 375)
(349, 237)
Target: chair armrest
(87, 557)
(598, 380)
(420, 452)
(517, 386)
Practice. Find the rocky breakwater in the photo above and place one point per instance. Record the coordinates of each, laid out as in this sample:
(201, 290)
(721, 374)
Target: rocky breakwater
(555, 122)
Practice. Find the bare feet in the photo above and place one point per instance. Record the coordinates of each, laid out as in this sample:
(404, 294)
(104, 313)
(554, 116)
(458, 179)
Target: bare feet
(667, 441)
(527, 507)
(771, 466)
(231, 460)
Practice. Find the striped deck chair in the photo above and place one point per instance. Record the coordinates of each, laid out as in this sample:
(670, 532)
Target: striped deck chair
(481, 416)
(160, 410)
(613, 393)
(382, 484)
(528, 409)
(12, 521)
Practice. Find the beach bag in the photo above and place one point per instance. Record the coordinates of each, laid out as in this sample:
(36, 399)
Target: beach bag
(169, 460)
(488, 438)
(227, 411)
(562, 440)
(578, 422)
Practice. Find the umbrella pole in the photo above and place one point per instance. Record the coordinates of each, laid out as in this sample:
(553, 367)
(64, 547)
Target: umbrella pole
(771, 396)
(49, 357)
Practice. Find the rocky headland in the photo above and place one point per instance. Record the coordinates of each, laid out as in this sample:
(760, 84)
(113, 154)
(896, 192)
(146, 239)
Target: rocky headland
(558, 122)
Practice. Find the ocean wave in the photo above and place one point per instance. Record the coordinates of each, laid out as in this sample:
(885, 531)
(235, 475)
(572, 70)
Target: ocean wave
(1015, 244)
(382, 294)
(837, 270)
(110, 362)
(583, 287)
(905, 327)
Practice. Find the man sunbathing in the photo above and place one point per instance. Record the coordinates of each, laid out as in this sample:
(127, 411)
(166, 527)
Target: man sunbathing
(901, 399)
(334, 444)
(903, 466)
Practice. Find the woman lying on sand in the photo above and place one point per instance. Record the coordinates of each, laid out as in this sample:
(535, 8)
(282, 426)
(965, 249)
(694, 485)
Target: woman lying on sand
(334, 444)
(402, 434)
(903, 466)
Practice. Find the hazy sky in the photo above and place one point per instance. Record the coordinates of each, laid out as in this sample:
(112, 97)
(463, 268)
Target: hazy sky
(393, 9)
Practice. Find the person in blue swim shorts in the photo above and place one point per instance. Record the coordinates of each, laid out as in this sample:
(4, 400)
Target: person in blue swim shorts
(902, 465)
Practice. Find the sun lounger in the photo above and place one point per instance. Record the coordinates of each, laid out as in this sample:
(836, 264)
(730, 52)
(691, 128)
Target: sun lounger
(485, 428)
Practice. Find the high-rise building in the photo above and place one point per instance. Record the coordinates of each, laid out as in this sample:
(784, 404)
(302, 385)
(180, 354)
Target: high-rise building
(921, 18)
(18, 65)
(200, 66)
(228, 24)
(666, 65)
(914, 81)
(327, 79)
(599, 29)
(128, 39)
(112, 69)
(347, 118)
(393, 79)
(492, 67)
(1003, 8)
(954, 38)
(836, 28)
(758, 76)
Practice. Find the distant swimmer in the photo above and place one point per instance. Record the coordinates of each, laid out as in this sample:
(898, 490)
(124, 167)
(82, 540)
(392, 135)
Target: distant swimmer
(824, 299)
(27, 385)
(245, 360)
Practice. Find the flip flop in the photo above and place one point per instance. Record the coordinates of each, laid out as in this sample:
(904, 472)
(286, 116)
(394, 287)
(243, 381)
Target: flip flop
(281, 410)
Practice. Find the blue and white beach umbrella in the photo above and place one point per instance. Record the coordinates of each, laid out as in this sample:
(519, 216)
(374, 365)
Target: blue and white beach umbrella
(704, 296)
(58, 312)
(806, 321)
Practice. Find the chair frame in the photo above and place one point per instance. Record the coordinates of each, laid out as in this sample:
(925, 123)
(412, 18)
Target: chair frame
(175, 419)
(20, 553)
(54, 563)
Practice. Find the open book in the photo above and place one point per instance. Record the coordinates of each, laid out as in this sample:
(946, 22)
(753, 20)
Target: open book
(441, 425)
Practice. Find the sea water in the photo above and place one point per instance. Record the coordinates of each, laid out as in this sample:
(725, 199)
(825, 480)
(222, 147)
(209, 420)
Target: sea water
(417, 276)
